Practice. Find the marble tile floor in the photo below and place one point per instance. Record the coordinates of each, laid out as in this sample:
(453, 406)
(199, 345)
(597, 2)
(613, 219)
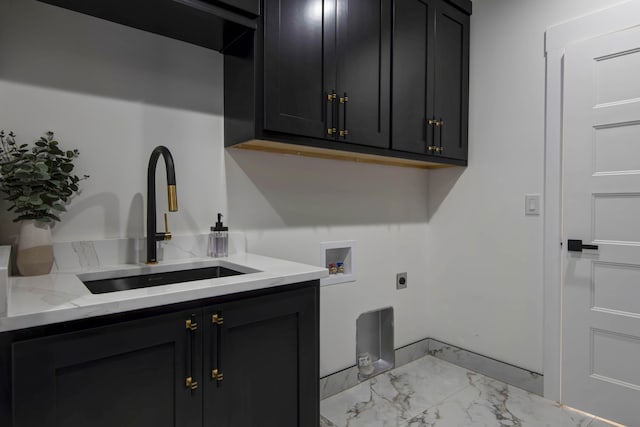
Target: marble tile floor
(430, 392)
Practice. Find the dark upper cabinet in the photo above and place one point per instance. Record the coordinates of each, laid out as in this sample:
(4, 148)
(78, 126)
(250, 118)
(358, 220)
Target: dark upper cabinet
(298, 67)
(240, 362)
(363, 80)
(327, 69)
(363, 51)
(430, 78)
(213, 24)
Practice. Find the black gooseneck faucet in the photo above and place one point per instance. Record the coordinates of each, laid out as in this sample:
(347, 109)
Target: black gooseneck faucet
(152, 235)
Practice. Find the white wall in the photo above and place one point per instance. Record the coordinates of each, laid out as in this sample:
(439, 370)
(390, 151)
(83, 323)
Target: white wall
(115, 93)
(289, 204)
(485, 256)
(474, 260)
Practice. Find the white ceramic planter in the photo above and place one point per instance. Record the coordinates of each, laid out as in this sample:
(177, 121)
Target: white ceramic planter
(35, 249)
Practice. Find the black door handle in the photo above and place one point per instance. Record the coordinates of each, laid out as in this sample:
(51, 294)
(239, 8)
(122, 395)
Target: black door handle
(577, 246)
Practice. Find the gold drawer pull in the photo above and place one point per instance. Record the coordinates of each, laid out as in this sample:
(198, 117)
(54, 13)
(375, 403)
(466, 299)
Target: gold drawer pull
(191, 325)
(190, 383)
(218, 376)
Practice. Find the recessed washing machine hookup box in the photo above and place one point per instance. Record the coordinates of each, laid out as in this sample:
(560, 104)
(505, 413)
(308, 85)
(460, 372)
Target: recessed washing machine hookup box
(374, 342)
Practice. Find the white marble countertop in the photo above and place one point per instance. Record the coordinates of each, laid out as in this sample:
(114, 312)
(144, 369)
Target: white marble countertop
(61, 296)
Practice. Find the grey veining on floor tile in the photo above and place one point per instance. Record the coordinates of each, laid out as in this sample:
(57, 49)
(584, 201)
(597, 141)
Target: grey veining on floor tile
(491, 403)
(394, 397)
(522, 378)
(430, 392)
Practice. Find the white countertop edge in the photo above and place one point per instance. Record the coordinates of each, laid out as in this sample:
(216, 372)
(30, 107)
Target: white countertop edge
(5, 260)
(61, 297)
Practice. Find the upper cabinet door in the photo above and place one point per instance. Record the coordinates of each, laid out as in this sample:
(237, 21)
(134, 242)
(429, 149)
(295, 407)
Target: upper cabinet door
(430, 78)
(298, 69)
(451, 91)
(364, 71)
(412, 78)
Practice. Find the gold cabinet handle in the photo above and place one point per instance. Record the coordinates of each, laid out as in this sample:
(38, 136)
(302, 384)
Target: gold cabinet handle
(191, 384)
(344, 99)
(332, 96)
(331, 131)
(343, 132)
(431, 122)
(217, 319)
(430, 148)
(191, 325)
(218, 376)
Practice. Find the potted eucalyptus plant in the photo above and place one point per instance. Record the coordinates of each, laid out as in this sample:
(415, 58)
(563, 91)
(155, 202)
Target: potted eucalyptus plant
(37, 182)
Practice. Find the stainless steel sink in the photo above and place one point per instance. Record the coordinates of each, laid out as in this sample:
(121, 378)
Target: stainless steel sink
(115, 284)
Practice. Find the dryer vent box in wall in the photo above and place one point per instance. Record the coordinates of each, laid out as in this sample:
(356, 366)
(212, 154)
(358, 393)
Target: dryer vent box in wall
(334, 254)
(374, 342)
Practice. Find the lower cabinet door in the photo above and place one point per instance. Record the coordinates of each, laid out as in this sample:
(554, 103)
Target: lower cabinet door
(263, 361)
(132, 373)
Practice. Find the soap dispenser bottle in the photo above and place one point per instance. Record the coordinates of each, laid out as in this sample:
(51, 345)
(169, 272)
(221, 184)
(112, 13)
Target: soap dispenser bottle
(219, 239)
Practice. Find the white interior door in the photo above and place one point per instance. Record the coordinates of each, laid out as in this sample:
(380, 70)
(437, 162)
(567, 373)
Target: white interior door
(601, 206)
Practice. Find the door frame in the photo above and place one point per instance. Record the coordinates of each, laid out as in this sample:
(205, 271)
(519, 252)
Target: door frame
(557, 38)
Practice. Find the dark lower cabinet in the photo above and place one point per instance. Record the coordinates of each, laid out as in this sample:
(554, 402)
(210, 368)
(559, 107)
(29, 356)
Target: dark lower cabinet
(430, 79)
(129, 374)
(262, 363)
(252, 361)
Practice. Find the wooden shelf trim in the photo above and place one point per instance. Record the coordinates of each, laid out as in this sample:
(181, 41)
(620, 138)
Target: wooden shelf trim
(326, 153)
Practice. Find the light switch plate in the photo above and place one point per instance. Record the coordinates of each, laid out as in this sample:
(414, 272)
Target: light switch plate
(532, 204)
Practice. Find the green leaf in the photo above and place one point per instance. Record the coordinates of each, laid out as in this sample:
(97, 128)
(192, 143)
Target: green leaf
(58, 207)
